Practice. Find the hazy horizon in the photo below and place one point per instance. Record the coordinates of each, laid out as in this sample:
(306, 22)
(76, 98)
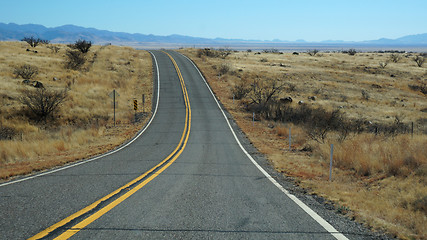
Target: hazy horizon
(311, 20)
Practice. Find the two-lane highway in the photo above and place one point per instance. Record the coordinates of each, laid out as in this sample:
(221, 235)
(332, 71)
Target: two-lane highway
(185, 177)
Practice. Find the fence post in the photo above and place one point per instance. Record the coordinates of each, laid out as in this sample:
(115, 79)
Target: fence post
(114, 106)
(330, 163)
(290, 139)
(253, 118)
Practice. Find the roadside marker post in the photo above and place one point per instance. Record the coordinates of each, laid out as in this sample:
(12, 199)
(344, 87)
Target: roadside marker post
(330, 163)
(143, 103)
(113, 95)
(135, 107)
(290, 139)
(253, 118)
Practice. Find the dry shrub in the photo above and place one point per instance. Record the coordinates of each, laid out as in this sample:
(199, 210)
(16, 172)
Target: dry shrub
(220, 53)
(224, 68)
(42, 102)
(420, 204)
(60, 146)
(7, 133)
(82, 45)
(75, 59)
(241, 89)
(282, 131)
(367, 154)
(26, 71)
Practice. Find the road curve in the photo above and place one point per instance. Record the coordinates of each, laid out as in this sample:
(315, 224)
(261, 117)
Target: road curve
(185, 177)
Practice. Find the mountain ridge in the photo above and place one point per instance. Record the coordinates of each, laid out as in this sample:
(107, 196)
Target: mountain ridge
(70, 33)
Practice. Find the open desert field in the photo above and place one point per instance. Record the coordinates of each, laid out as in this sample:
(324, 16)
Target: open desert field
(371, 106)
(82, 125)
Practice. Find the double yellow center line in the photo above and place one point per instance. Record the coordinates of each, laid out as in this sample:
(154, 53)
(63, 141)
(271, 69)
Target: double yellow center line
(79, 220)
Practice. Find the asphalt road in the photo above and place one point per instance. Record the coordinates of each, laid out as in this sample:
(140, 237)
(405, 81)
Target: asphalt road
(193, 181)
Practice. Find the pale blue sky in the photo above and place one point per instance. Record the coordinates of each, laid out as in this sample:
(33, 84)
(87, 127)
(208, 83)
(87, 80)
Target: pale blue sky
(350, 20)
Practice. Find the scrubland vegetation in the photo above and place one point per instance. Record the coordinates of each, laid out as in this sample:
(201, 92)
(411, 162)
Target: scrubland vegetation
(55, 104)
(371, 106)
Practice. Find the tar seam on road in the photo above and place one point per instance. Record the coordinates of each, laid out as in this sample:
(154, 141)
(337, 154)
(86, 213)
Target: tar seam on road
(77, 221)
(328, 227)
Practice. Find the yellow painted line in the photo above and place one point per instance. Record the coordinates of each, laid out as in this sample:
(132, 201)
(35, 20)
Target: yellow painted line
(180, 148)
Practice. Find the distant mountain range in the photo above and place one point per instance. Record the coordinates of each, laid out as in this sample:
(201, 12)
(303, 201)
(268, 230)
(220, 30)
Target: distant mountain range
(71, 33)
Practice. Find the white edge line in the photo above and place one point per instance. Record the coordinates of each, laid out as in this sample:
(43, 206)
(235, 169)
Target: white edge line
(105, 154)
(328, 227)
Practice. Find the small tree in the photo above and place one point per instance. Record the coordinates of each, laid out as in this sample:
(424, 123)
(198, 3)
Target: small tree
(42, 102)
(395, 57)
(419, 60)
(82, 45)
(75, 59)
(352, 51)
(262, 91)
(26, 71)
(34, 42)
(312, 52)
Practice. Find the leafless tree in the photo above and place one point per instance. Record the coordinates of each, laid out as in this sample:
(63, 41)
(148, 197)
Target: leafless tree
(352, 51)
(312, 52)
(419, 60)
(34, 41)
(82, 45)
(262, 91)
(395, 57)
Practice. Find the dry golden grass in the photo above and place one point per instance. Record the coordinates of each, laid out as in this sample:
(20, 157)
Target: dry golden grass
(379, 180)
(84, 125)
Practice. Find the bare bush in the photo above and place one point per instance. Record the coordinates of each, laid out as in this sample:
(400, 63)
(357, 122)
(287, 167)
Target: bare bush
(241, 89)
(82, 45)
(34, 42)
(419, 60)
(75, 59)
(273, 50)
(395, 57)
(42, 103)
(7, 133)
(352, 51)
(263, 92)
(54, 48)
(312, 52)
(221, 53)
(322, 122)
(382, 64)
(26, 71)
(224, 69)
